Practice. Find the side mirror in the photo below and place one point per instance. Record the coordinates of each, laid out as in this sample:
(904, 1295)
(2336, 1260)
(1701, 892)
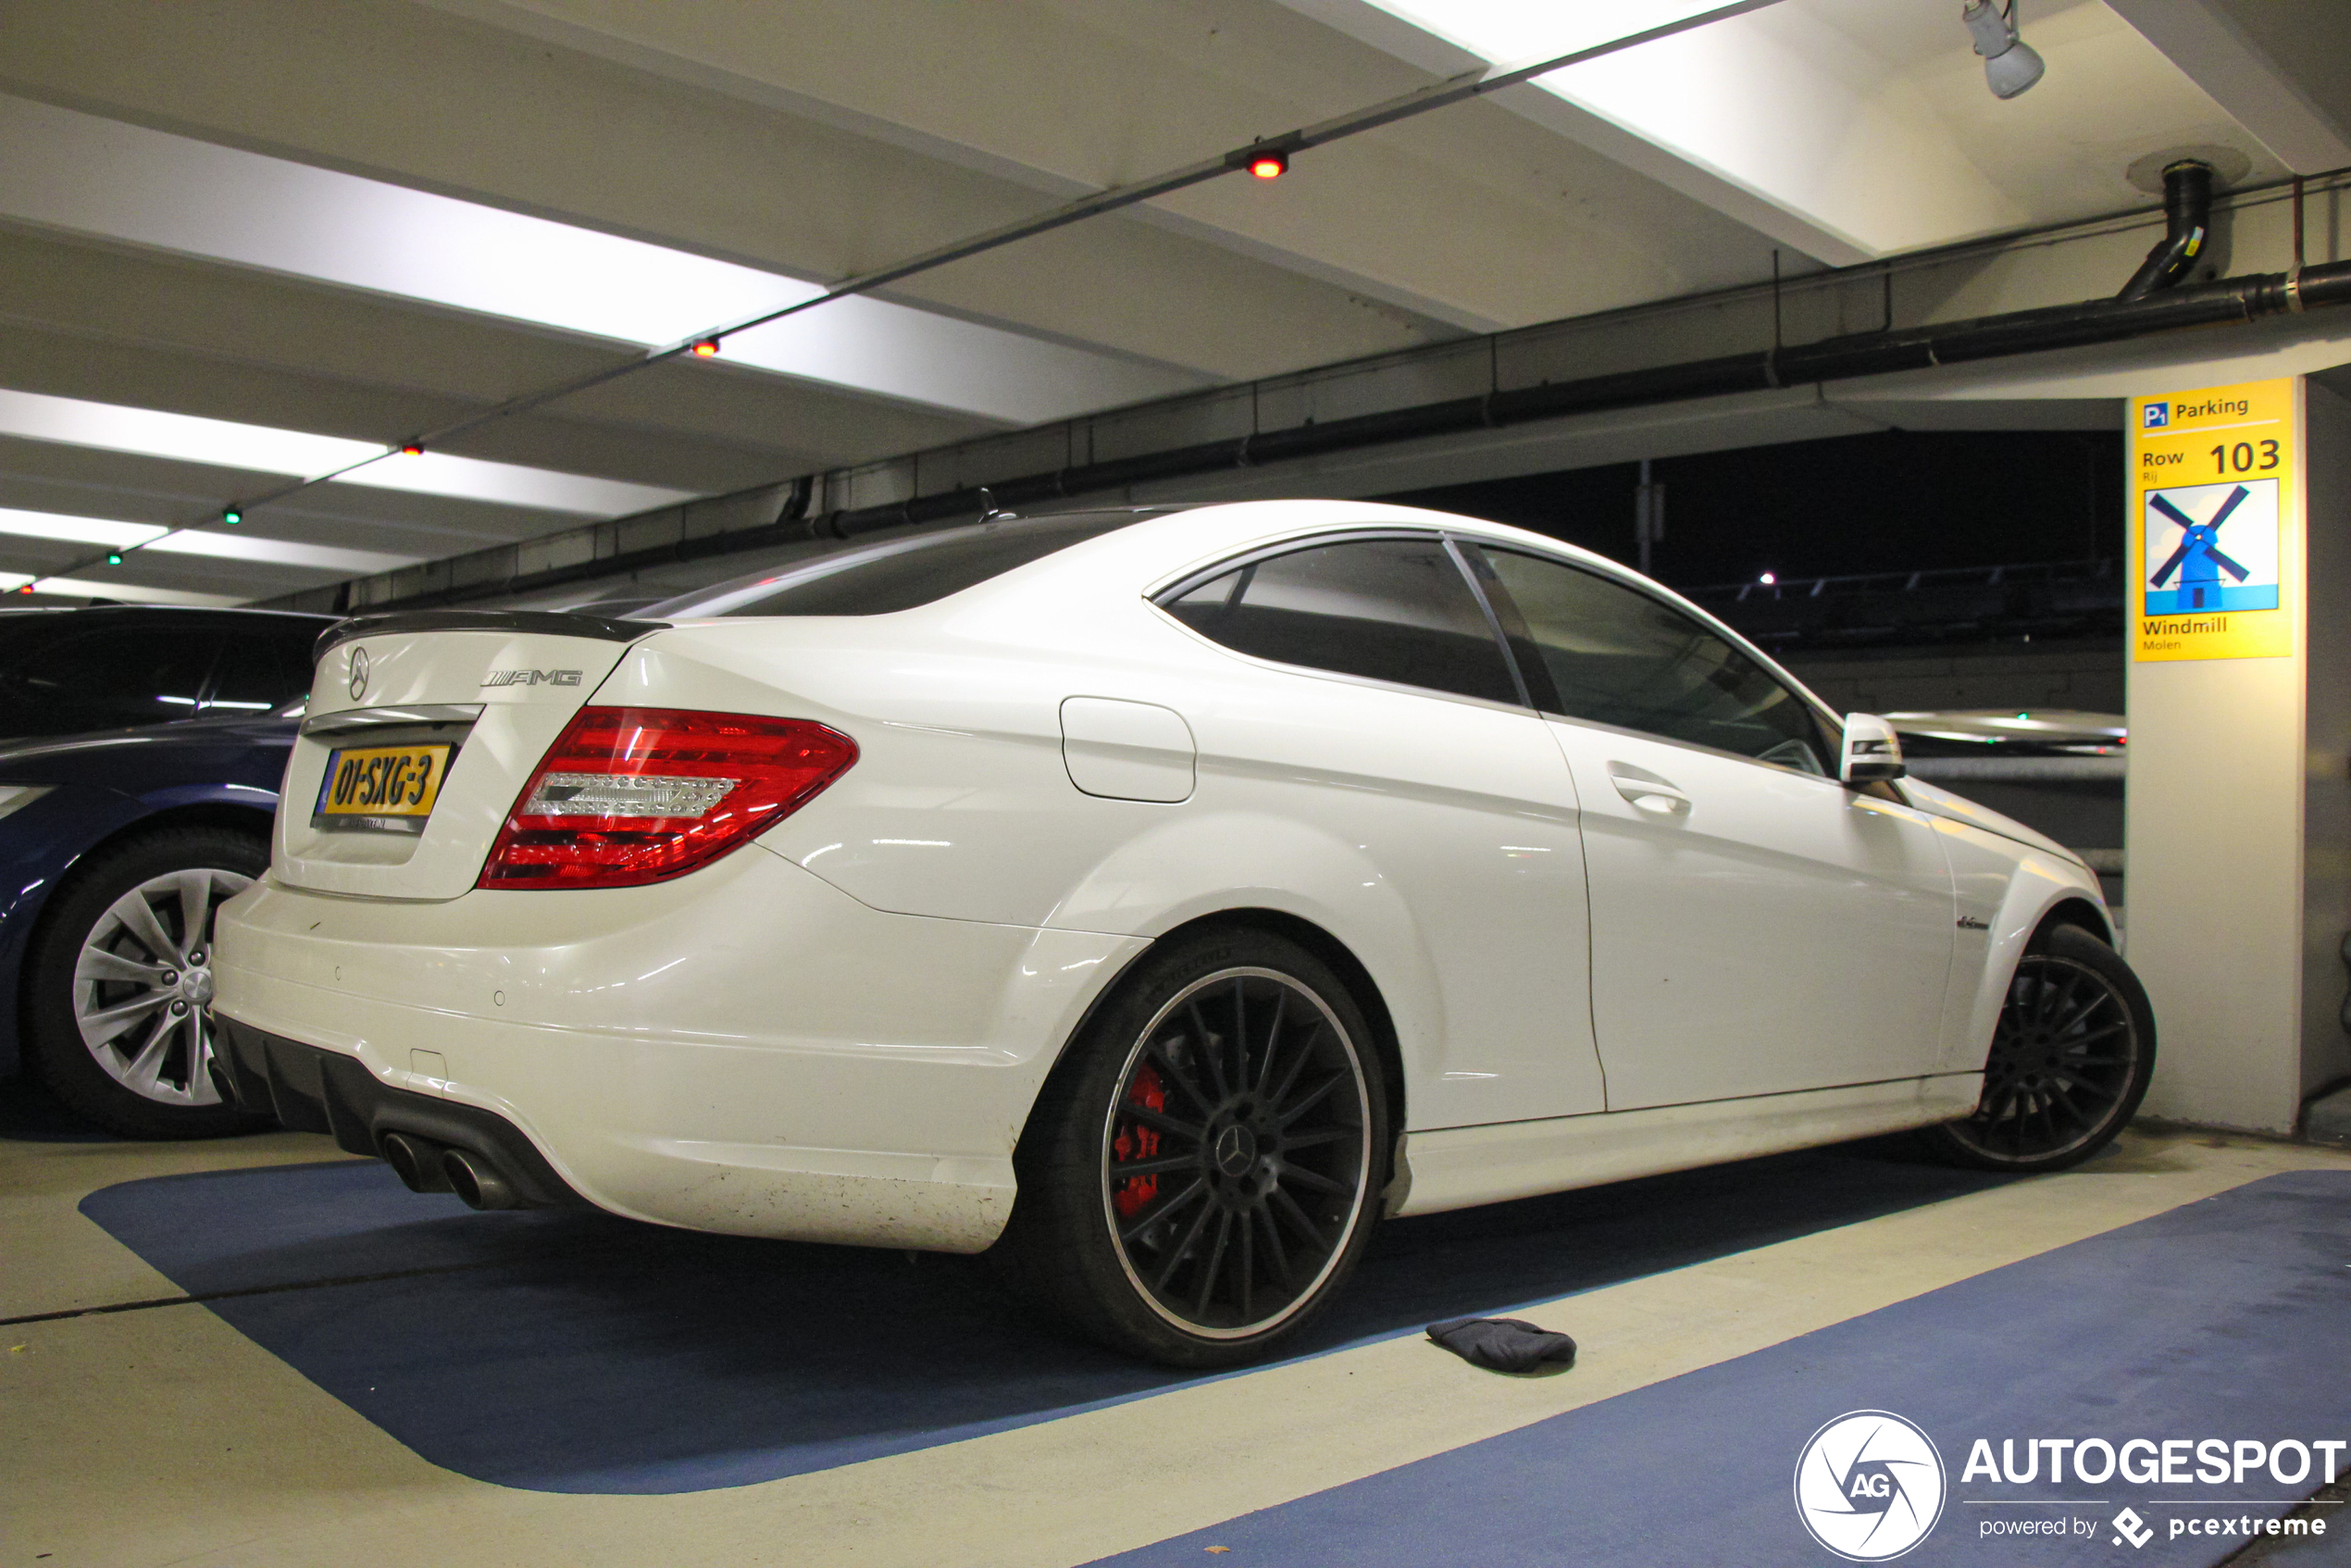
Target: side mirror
(1871, 751)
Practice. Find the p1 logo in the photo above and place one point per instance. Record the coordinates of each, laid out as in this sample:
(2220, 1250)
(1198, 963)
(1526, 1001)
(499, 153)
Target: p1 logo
(2155, 416)
(1869, 1485)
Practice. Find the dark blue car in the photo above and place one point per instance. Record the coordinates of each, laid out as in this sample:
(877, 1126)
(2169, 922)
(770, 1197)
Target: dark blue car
(117, 847)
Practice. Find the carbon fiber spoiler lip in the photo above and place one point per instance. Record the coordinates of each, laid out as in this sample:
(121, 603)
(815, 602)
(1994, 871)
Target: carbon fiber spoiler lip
(544, 623)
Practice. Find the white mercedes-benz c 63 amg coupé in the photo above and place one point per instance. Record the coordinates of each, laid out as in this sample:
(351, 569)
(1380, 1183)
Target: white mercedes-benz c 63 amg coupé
(1160, 897)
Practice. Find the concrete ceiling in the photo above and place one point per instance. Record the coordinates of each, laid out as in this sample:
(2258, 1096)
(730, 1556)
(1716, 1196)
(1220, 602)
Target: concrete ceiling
(246, 242)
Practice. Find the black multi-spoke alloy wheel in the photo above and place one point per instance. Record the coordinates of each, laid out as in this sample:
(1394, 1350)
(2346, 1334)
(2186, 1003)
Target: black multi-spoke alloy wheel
(1204, 1168)
(113, 1001)
(2071, 1059)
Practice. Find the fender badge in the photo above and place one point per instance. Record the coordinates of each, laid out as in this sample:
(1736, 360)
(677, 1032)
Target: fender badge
(1970, 923)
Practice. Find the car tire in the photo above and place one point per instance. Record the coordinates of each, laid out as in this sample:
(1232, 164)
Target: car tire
(1203, 1170)
(2071, 1059)
(113, 999)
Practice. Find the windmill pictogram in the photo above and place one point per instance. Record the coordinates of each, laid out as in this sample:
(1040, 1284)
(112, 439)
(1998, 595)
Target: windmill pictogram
(2198, 560)
(2198, 576)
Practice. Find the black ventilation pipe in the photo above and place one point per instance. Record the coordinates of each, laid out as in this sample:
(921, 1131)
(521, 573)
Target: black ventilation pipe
(2188, 219)
(2228, 301)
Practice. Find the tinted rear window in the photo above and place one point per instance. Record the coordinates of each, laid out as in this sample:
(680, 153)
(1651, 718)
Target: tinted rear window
(901, 575)
(1391, 609)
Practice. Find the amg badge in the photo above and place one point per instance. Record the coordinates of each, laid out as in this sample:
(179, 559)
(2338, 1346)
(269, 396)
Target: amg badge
(531, 677)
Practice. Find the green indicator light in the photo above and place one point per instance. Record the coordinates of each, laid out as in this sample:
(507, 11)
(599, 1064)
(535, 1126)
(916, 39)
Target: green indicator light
(113, 559)
(232, 516)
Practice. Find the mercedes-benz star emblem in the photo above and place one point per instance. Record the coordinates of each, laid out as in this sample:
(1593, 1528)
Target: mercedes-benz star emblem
(358, 673)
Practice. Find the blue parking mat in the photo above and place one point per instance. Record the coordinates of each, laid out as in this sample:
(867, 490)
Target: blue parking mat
(2228, 1318)
(578, 1353)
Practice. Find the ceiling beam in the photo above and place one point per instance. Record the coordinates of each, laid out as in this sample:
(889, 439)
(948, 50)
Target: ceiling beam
(2281, 67)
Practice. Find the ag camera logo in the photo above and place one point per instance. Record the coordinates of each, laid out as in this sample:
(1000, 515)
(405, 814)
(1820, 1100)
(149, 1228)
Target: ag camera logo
(1869, 1485)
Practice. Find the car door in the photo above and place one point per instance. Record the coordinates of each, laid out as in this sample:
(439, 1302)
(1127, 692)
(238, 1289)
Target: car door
(1757, 927)
(1385, 713)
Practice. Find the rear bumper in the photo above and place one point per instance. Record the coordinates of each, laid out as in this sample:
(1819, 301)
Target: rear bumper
(745, 1050)
(313, 1090)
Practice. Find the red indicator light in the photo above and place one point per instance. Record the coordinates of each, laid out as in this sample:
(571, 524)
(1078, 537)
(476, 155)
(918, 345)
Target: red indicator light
(706, 347)
(412, 450)
(1269, 166)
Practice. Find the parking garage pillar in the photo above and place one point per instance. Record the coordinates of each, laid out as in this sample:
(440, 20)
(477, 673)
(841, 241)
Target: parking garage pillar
(2238, 835)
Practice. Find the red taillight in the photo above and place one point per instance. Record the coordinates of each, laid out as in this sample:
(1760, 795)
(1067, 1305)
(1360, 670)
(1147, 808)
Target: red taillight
(632, 795)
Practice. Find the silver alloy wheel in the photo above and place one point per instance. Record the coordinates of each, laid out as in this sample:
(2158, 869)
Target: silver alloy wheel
(143, 981)
(1256, 1146)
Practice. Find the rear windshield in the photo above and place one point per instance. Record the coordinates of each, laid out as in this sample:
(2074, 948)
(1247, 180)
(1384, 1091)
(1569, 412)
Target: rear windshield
(877, 578)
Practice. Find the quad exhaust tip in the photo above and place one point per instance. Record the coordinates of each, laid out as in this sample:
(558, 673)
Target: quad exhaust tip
(415, 1162)
(423, 1165)
(476, 1181)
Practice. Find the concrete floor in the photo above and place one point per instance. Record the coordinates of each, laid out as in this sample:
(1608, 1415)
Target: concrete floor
(161, 1435)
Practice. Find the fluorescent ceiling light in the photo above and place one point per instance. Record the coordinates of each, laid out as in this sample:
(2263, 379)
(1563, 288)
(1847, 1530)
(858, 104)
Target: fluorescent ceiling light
(186, 437)
(1508, 31)
(191, 439)
(1777, 117)
(71, 170)
(440, 473)
(78, 531)
(222, 545)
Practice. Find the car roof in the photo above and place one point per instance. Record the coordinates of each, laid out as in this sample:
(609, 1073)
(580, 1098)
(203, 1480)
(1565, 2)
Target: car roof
(1163, 549)
(34, 622)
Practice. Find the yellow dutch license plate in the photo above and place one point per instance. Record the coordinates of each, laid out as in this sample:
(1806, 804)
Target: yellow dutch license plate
(400, 782)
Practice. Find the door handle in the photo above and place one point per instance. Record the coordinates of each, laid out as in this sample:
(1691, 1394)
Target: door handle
(1651, 794)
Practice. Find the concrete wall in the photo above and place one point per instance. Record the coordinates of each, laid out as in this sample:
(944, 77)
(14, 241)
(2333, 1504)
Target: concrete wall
(2326, 833)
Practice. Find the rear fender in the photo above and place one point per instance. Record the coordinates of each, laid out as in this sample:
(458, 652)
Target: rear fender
(1190, 867)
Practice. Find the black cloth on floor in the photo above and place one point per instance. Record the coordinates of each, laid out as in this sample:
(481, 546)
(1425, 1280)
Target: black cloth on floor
(1503, 1344)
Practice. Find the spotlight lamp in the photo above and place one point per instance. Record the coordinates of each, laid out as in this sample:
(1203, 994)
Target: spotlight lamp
(2010, 64)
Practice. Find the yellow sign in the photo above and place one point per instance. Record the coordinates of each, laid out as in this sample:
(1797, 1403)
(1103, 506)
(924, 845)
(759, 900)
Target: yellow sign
(2216, 556)
(382, 781)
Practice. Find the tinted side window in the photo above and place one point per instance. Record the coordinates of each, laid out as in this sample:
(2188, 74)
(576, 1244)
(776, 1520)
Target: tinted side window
(1393, 609)
(1617, 656)
(106, 680)
(259, 672)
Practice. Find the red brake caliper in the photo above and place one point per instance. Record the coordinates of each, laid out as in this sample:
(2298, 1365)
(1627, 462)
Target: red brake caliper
(1136, 1141)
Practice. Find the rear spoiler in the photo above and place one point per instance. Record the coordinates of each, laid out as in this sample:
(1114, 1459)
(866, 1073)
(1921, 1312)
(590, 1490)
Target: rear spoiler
(544, 623)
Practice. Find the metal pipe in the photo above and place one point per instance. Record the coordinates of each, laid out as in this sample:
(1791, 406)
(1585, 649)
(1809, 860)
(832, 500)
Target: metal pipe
(2188, 219)
(2246, 298)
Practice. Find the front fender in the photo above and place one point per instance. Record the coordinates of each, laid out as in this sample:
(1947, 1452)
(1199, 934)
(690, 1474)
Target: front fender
(2010, 888)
